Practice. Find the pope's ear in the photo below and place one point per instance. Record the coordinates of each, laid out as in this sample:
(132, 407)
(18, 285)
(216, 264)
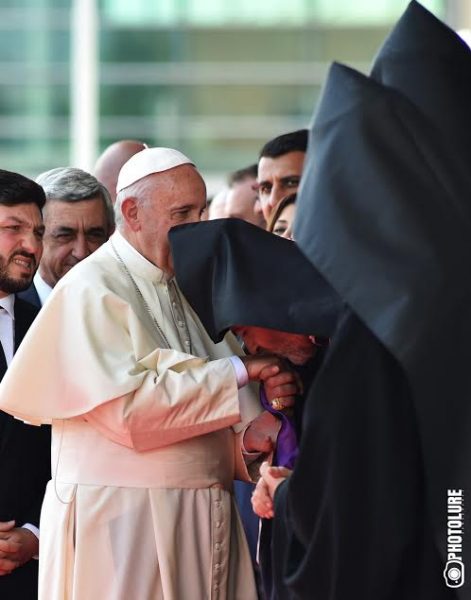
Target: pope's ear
(130, 213)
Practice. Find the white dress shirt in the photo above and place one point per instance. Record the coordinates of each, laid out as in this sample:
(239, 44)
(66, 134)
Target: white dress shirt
(7, 329)
(43, 288)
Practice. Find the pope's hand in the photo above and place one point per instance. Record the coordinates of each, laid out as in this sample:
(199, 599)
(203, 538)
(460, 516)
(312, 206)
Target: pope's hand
(281, 383)
(261, 366)
(256, 437)
(17, 546)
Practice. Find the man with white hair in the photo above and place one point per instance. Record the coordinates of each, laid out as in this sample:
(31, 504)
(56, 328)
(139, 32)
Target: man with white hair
(148, 414)
(78, 219)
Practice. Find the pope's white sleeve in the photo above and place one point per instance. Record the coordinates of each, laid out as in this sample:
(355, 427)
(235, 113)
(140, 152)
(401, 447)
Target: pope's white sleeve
(180, 397)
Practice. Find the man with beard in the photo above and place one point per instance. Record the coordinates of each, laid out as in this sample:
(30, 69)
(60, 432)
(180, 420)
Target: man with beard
(24, 450)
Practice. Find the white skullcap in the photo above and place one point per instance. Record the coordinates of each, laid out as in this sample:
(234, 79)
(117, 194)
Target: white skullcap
(149, 161)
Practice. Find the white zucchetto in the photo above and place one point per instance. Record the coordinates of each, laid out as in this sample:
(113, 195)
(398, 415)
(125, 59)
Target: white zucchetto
(149, 161)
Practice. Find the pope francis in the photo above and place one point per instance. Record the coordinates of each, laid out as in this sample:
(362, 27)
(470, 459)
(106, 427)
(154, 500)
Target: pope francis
(147, 413)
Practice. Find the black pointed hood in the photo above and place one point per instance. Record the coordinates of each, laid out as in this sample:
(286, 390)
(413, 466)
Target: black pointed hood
(431, 65)
(382, 215)
(233, 273)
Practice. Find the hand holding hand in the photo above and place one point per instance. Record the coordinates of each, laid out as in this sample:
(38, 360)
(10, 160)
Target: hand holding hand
(273, 476)
(281, 389)
(261, 366)
(17, 546)
(262, 496)
(262, 503)
(280, 381)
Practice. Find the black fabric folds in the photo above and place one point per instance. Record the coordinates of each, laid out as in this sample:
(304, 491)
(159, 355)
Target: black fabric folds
(349, 523)
(383, 215)
(384, 219)
(234, 273)
(430, 64)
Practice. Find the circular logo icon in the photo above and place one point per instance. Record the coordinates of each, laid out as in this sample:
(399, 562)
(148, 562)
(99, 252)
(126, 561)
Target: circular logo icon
(454, 573)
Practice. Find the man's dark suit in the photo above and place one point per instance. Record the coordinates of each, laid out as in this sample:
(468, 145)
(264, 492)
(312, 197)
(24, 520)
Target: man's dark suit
(24, 471)
(31, 295)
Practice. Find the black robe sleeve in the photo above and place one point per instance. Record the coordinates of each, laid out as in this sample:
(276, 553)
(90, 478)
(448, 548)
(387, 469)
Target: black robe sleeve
(351, 520)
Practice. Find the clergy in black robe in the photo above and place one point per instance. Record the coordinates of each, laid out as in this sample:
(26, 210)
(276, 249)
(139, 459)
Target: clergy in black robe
(383, 217)
(239, 277)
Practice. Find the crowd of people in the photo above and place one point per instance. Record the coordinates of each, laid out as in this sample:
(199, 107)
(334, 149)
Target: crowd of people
(251, 398)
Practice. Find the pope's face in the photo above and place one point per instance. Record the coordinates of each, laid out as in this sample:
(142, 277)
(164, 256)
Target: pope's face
(296, 348)
(179, 197)
(21, 231)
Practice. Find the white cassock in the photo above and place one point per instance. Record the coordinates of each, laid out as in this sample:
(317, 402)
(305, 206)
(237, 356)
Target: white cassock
(145, 443)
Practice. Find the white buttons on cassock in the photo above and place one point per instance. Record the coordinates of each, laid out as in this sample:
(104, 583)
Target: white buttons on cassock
(218, 535)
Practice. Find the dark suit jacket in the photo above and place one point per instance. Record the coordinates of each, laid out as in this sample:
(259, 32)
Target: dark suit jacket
(24, 471)
(31, 296)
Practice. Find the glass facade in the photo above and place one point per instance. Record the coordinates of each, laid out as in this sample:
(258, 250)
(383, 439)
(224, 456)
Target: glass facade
(263, 13)
(213, 78)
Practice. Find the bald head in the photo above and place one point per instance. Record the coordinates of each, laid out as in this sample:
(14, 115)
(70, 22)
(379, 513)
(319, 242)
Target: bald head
(217, 208)
(112, 159)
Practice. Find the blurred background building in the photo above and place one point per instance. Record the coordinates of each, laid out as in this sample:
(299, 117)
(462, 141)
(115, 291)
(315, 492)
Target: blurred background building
(214, 78)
